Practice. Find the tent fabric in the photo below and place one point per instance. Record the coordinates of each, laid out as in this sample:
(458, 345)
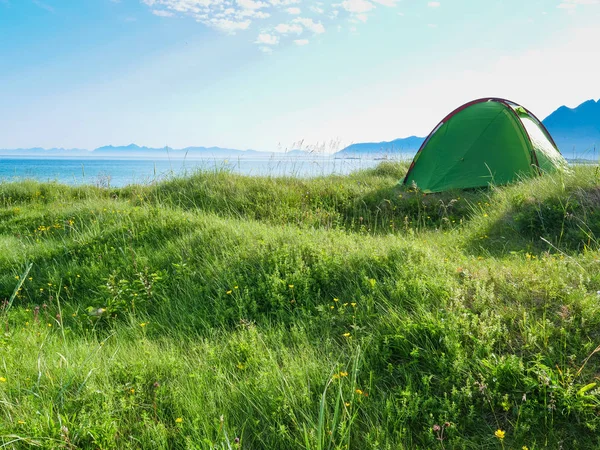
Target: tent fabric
(487, 141)
(548, 157)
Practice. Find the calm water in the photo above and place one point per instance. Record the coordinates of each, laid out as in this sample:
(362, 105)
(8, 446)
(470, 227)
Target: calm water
(111, 172)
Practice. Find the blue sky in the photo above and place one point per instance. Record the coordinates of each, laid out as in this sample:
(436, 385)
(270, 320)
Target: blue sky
(267, 74)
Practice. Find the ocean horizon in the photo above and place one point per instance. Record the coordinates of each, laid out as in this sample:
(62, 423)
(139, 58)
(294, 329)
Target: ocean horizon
(119, 172)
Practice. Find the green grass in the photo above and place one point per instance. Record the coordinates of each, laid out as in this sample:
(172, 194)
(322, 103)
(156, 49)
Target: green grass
(342, 312)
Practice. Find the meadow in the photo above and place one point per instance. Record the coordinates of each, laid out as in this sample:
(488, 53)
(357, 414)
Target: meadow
(219, 311)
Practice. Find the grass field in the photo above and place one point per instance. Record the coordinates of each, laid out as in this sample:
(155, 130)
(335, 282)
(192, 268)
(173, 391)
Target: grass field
(220, 311)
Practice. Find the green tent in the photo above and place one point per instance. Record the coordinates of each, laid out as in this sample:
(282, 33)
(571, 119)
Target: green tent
(486, 141)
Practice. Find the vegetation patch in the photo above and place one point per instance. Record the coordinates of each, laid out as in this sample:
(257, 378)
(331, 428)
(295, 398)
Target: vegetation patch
(222, 311)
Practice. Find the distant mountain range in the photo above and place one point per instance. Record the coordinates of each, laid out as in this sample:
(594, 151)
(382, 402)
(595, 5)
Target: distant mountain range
(575, 130)
(397, 146)
(133, 151)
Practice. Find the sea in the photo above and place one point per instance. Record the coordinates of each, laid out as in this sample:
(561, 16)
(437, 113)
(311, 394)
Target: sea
(119, 172)
(122, 172)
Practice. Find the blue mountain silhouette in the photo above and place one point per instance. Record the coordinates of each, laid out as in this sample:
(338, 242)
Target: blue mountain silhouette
(576, 131)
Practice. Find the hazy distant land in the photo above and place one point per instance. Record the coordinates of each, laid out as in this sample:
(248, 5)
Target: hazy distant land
(575, 130)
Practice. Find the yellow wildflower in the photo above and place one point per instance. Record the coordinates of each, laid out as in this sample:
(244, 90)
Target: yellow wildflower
(359, 392)
(2, 380)
(179, 420)
(500, 434)
(343, 374)
(229, 292)
(346, 334)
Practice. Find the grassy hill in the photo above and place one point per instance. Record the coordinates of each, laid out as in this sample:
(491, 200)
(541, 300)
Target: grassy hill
(223, 311)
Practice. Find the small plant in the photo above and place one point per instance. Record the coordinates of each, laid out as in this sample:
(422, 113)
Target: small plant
(124, 296)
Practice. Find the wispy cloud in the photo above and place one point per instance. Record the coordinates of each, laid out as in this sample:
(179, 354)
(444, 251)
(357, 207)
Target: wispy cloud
(162, 13)
(43, 5)
(267, 39)
(286, 28)
(390, 3)
(571, 5)
(359, 9)
(309, 24)
(291, 20)
(358, 6)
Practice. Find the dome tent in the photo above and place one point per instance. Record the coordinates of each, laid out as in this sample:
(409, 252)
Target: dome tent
(490, 140)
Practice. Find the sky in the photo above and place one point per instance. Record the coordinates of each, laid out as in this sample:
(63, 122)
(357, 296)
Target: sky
(280, 74)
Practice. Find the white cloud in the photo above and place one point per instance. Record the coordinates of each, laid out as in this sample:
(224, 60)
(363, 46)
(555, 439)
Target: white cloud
(162, 13)
(572, 4)
(251, 4)
(301, 42)
(434, 4)
(230, 26)
(269, 16)
(43, 5)
(389, 3)
(285, 28)
(309, 24)
(267, 39)
(357, 6)
(284, 2)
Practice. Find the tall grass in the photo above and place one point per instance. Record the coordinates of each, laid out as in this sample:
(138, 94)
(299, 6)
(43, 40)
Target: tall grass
(222, 311)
